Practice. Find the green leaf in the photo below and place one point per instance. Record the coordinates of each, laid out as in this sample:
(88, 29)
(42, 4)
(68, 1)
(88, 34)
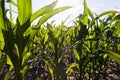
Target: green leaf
(2, 43)
(90, 13)
(51, 13)
(25, 57)
(76, 54)
(106, 13)
(24, 10)
(114, 56)
(51, 72)
(11, 19)
(24, 70)
(9, 62)
(46, 38)
(105, 56)
(84, 20)
(1, 19)
(71, 66)
(2, 8)
(43, 11)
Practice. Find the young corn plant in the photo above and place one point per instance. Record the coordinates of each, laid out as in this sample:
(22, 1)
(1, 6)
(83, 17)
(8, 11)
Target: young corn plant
(15, 39)
(54, 44)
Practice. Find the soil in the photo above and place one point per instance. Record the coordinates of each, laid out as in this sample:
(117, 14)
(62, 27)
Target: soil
(37, 70)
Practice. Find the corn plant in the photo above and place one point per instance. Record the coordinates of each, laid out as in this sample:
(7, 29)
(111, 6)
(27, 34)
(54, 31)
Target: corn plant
(53, 42)
(15, 39)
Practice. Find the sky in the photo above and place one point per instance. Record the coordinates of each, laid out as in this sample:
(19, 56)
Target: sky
(97, 6)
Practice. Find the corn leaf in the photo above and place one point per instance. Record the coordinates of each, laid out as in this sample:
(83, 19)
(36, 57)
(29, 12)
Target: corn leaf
(76, 54)
(114, 56)
(25, 57)
(43, 11)
(24, 10)
(45, 38)
(71, 66)
(52, 13)
(1, 40)
(9, 62)
(24, 70)
(1, 19)
(51, 72)
(90, 13)
(84, 20)
(106, 13)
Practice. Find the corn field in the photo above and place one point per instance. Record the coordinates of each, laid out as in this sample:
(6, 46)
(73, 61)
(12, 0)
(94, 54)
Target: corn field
(87, 50)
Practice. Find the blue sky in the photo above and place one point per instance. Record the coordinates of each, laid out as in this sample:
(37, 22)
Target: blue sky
(97, 6)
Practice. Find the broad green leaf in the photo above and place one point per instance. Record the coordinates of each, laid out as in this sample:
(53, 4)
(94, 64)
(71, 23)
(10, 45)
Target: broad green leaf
(76, 54)
(1, 19)
(25, 57)
(71, 66)
(51, 13)
(24, 71)
(2, 44)
(11, 19)
(24, 10)
(105, 56)
(114, 56)
(51, 72)
(61, 57)
(46, 38)
(9, 62)
(51, 44)
(106, 13)
(90, 13)
(43, 11)
(84, 20)
(2, 8)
